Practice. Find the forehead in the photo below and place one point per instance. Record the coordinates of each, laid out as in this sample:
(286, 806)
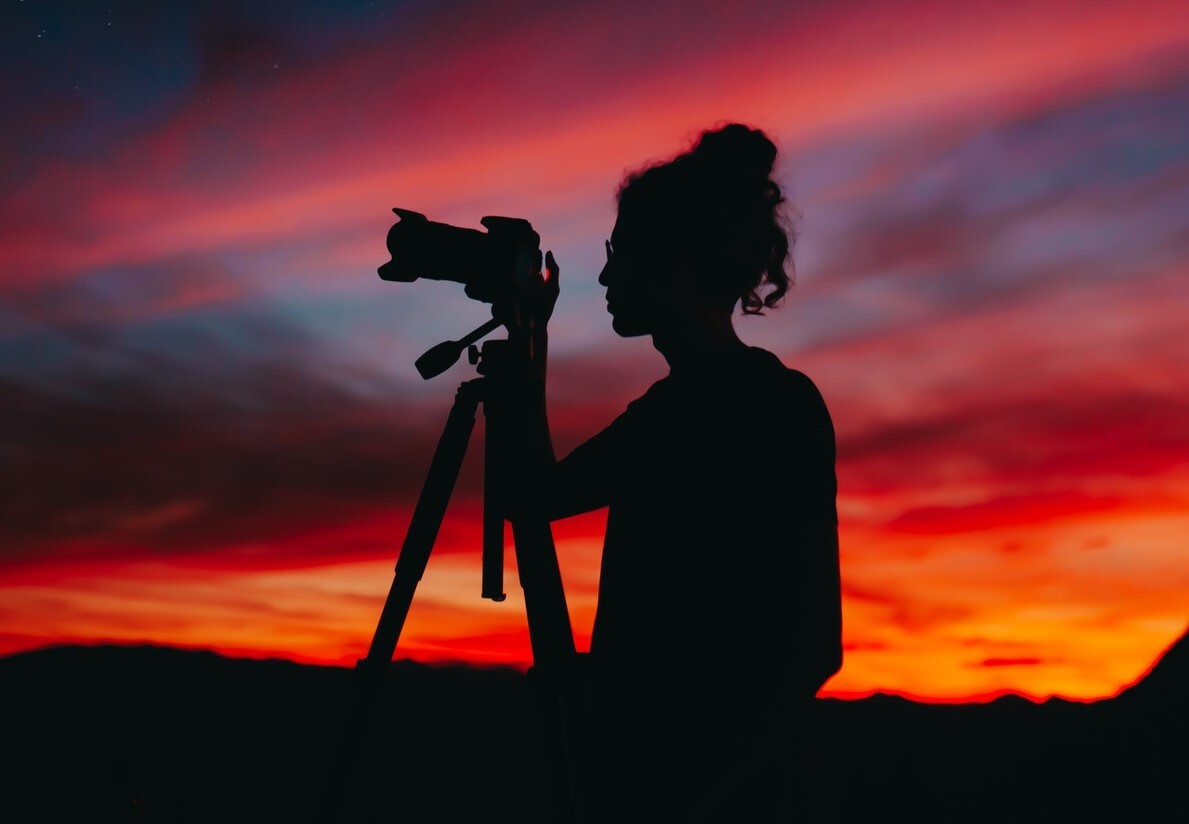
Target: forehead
(648, 219)
(633, 226)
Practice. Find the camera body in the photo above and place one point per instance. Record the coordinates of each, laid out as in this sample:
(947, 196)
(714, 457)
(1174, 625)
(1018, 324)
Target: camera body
(489, 264)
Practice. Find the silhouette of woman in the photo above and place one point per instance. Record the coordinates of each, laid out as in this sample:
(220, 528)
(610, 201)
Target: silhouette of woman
(718, 613)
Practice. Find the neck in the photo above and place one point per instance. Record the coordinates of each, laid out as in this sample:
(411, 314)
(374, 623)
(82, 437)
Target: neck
(690, 342)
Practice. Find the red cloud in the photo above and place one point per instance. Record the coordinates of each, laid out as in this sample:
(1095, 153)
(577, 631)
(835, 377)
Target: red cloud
(1002, 511)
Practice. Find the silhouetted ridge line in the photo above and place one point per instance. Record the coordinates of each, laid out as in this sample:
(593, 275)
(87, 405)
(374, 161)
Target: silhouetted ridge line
(160, 734)
(1167, 680)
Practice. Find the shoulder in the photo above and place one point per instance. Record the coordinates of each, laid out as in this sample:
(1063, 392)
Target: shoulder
(793, 398)
(644, 412)
(771, 371)
(659, 394)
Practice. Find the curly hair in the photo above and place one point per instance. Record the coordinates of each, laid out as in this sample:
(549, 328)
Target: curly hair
(719, 215)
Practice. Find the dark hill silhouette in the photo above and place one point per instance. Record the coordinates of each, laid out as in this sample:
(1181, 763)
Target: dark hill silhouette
(1122, 759)
(1167, 682)
(157, 734)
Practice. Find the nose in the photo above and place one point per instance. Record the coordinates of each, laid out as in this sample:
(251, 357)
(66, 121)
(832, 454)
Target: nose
(605, 274)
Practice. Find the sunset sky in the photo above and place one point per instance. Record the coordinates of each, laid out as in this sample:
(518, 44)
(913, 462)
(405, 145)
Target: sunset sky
(212, 434)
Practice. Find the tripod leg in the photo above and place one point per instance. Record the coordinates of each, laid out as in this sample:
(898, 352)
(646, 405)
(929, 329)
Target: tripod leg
(549, 627)
(423, 528)
(554, 674)
(493, 520)
(410, 566)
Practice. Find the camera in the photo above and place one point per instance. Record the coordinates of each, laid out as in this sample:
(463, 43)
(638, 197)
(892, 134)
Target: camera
(489, 264)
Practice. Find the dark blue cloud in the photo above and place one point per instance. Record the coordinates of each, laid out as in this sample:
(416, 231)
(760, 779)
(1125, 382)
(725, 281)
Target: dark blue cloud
(81, 76)
(941, 216)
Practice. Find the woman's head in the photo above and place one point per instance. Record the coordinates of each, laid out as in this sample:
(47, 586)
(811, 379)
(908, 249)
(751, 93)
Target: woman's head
(705, 226)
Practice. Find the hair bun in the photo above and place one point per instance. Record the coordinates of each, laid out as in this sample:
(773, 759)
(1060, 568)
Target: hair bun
(714, 213)
(738, 151)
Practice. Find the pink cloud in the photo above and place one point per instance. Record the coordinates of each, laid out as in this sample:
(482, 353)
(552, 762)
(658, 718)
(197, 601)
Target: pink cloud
(224, 169)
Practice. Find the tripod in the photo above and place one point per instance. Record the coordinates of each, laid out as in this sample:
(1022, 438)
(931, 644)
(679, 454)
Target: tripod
(554, 657)
(548, 618)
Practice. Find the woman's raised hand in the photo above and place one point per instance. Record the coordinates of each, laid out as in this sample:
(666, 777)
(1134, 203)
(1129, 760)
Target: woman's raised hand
(534, 299)
(548, 289)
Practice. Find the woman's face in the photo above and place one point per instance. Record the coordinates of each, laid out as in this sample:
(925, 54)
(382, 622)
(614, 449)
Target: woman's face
(638, 292)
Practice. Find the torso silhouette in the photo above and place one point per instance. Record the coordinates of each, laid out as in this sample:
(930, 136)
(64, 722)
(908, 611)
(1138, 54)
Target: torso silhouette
(718, 611)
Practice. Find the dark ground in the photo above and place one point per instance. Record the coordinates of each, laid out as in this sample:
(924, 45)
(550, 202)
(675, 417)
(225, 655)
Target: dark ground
(159, 735)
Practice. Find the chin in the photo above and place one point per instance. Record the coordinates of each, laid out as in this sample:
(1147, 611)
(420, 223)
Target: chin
(625, 328)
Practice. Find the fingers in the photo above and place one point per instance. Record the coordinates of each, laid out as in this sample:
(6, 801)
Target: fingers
(552, 270)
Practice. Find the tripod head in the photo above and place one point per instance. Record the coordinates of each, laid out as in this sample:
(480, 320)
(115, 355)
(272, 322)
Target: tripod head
(438, 359)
